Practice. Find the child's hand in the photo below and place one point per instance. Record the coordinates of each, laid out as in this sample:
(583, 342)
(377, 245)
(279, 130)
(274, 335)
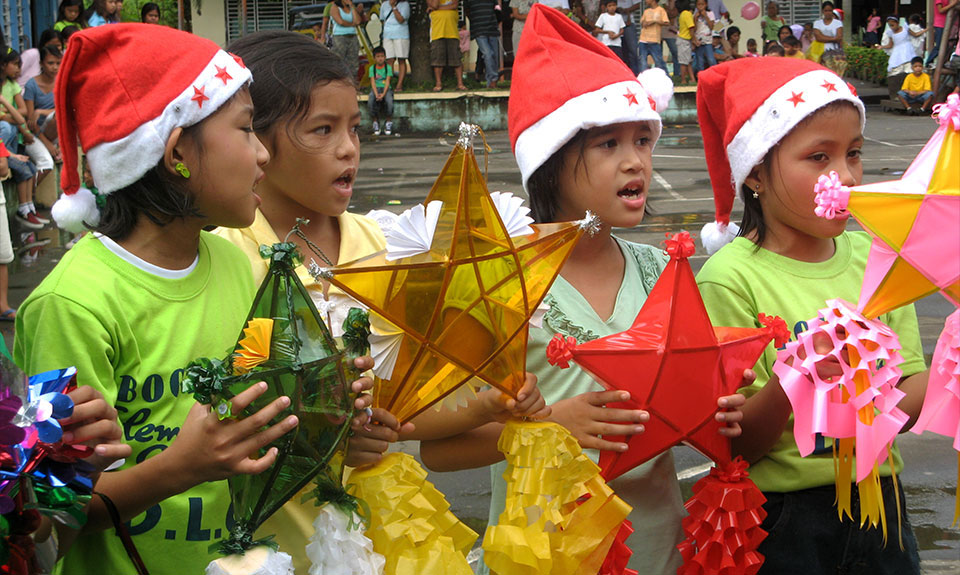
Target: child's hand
(586, 418)
(829, 367)
(733, 416)
(372, 436)
(28, 137)
(364, 400)
(529, 403)
(20, 157)
(208, 449)
(94, 424)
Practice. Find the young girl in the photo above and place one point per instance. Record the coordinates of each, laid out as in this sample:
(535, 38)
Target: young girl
(103, 12)
(150, 13)
(703, 38)
(38, 96)
(10, 129)
(150, 291)
(601, 130)
(69, 14)
(308, 119)
(787, 261)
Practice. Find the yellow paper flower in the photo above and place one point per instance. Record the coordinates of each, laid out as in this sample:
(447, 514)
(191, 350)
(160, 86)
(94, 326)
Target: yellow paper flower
(254, 348)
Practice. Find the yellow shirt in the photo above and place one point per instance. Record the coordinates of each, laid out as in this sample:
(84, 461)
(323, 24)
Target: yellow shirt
(684, 23)
(359, 236)
(798, 55)
(914, 83)
(443, 24)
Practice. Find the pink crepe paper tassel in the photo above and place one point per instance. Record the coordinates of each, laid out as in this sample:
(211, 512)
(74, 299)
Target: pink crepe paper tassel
(817, 403)
(941, 405)
(948, 112)
(832, 196)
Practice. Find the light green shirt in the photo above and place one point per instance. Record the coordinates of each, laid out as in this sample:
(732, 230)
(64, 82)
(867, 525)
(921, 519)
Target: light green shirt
(651, 489)
(739, 282)
(129, 333)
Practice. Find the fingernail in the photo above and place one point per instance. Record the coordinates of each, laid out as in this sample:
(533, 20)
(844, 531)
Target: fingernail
(284, 401)
(292, 420)
(100, 450)
(262, 385)
(722, 402)
(625, 395)
(623, 447)
(638, 429)
(67, 437)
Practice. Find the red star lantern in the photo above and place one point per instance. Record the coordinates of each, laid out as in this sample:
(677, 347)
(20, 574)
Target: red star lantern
(674, 363)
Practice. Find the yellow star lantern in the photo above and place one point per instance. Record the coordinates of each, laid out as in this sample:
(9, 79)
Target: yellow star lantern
(451, 296)
(914, 222)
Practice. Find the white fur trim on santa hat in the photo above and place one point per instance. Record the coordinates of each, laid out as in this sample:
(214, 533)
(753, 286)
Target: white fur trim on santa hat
(74, 212)
(780, 113)
(612, 104)
(115, 165)
(715, 235)
(658, 86)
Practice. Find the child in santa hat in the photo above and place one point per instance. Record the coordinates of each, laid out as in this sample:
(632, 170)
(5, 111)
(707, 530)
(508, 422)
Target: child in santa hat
(770, 129)
(172, 151)
(583, 129)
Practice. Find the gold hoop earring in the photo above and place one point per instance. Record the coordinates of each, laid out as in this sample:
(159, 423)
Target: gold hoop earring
(182, 170)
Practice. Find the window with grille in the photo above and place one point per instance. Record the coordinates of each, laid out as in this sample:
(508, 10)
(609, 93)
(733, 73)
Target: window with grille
(800, 11)
(261, 15)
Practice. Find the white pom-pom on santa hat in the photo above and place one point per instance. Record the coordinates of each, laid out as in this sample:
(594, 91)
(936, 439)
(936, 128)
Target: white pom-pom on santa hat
(658, 86)
(564, 81)
(75, 212)
(747, 106)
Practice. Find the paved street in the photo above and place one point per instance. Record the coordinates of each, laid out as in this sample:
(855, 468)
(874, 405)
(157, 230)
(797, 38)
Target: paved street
(397, 171)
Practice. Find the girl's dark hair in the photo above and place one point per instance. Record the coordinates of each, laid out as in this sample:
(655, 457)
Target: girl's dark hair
(753, 221)
(731, 31)
(9, 55)
(47, 36)
(66, 32)
(148, 8)
(683, 5)
(100, 7)
(50, 51)
(782, 28)
(61, 12)
(543, 185)
(286, 68)
(158, 196)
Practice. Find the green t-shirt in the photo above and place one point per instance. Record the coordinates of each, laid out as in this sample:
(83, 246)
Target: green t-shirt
(10, 90)
(651, 489)
(738, 283)
(129, 333)
(380, 75)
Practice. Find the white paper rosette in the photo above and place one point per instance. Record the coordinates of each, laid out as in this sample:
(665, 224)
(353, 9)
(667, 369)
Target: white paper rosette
(336, 549)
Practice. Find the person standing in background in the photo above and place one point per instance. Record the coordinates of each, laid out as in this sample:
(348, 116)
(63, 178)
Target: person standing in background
(772, 21)
(394, 16)
(670, 35)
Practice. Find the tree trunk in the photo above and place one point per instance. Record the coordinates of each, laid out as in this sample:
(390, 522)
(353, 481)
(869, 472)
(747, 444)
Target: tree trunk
(420, 43)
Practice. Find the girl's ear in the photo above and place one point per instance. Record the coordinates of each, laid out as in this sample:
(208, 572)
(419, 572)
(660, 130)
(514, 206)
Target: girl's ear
(755, 179)
(173, 153)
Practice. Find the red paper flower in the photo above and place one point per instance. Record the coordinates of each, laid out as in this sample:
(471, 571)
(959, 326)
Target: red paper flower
(781, 333)
(560, 351)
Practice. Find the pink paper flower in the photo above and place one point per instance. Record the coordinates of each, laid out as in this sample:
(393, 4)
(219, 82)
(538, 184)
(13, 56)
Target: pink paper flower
(832, 196)
(948, 112)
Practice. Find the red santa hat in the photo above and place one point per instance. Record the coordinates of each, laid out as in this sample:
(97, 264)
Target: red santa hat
(745, 107)
(565, 80)
(121, 91)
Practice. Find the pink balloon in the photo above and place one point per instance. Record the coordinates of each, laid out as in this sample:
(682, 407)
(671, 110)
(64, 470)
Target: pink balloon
(750, 10)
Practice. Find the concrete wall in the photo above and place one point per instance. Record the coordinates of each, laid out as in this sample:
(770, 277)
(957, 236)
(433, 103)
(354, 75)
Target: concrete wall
(443, 112)
(211, 21)
(748, 28)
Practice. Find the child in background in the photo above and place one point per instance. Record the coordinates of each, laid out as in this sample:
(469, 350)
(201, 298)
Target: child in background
(7, 312)
(14, 126)
(380, 100)
(685, 32)
(609, 28)
(784, 33)
(792, 48)
(915, 90)
(103, 12)
(150, 291)
(807, 38)
(38, 97)
(308, 118)
(917, 33)
(788, 262)
(703, 39)
(69, 14)
(751, 49)
(773, 49)
(871, 37)
(652, 23)
(150, 13)
(599, 159)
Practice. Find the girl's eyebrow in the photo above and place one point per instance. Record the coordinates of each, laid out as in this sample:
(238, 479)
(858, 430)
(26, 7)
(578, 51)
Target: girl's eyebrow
(828, 140)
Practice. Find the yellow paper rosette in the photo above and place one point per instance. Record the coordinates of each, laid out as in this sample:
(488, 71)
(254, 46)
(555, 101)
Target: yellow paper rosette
(410, 520)
(254, 348)
(560, 516)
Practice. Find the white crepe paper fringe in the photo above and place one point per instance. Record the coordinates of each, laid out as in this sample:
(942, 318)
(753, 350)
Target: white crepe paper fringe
(412, 234)
(257, 561)
(513, 213)
(335, 549)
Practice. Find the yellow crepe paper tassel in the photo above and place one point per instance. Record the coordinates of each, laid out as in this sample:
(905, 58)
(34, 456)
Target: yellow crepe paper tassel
(560, 516)
(254, 348)
(410, 521)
